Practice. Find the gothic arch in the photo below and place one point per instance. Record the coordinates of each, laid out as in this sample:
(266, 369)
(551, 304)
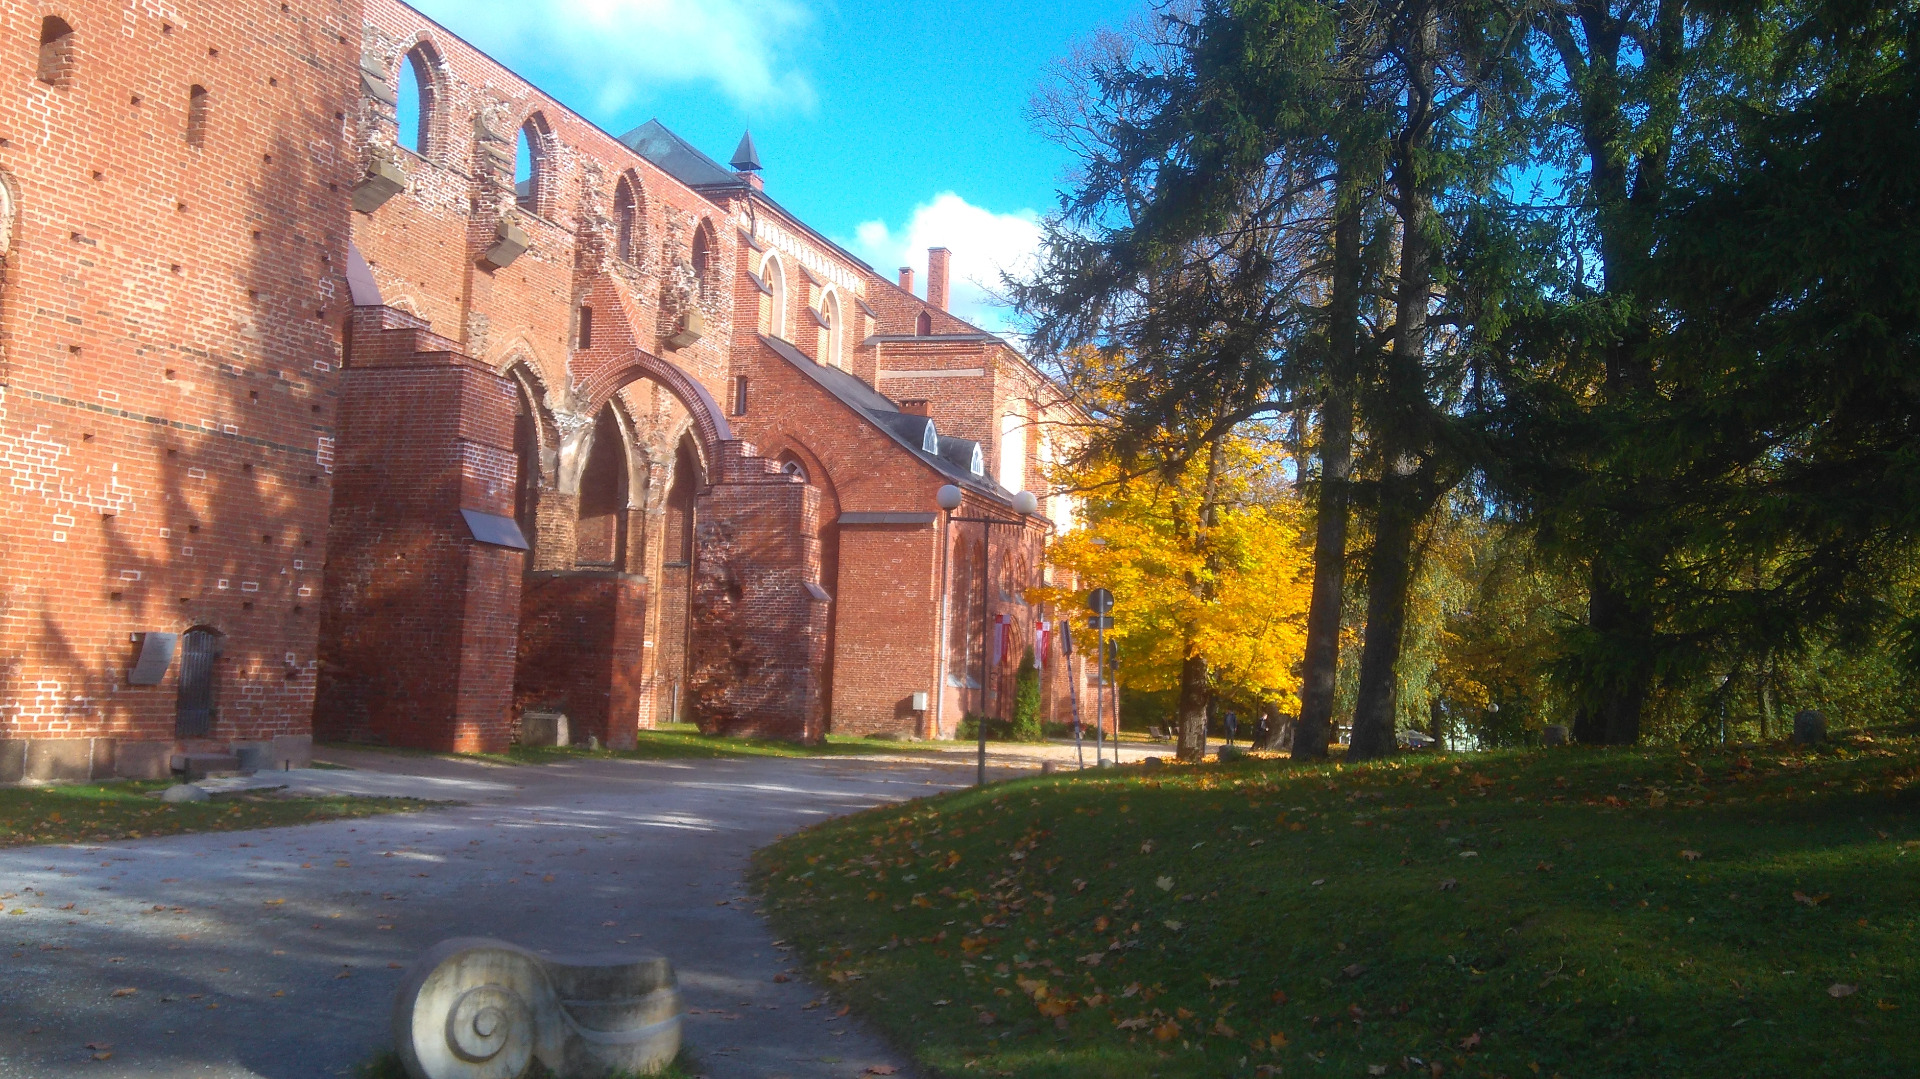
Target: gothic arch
(709, 423)
(630, 223)
(704, 256)
(423, 55)
(536, 140)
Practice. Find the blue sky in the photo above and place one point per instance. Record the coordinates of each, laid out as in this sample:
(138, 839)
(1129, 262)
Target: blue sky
(888, 125)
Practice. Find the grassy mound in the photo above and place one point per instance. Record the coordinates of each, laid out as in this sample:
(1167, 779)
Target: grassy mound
(1568, 912)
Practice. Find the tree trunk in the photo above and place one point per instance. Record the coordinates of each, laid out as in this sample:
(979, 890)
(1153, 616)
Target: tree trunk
(1389, 573)
(1405, 482)
(1320, 676)
(1195, 693)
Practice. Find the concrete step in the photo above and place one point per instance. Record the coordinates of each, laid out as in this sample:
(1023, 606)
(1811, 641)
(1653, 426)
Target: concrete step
(200, 765)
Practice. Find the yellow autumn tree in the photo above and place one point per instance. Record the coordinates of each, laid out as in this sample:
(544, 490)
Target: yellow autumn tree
(1235, 592)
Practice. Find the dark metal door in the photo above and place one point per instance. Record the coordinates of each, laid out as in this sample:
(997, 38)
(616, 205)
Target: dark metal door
(194, 715)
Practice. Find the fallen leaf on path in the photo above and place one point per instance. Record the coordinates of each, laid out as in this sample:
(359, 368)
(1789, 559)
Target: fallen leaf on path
(125, 992)
(881, 1069)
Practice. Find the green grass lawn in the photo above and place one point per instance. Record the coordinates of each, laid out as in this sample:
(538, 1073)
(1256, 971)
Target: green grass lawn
(98, 812)
(1569, 912)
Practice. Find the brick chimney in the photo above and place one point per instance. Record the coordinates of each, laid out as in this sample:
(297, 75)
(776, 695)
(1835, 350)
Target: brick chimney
(937, 276)
(906, 279)
(916, 408)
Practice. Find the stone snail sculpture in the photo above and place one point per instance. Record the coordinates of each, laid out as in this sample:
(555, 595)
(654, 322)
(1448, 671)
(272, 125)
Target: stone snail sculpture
(474, 1008)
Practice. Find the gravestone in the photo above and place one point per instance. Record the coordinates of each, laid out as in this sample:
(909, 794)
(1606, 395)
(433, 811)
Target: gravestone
(1553, 734)
(1809, 727)
(543, 728)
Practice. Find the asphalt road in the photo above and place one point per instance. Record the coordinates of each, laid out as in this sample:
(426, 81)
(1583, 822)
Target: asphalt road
(276, 953)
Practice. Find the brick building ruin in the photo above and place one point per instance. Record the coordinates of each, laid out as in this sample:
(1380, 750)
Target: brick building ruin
(351, 388)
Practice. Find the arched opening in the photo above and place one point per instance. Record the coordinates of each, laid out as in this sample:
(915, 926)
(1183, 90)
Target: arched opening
(529, 161)
(924, 326)
(830, 333)
(677, 553)
(416, 100)
(600, 537)
(56, 52)
(793, 466)
(776, 278)
(702, 260)
(626, 221)
(199, 105)
(526, 484)
(194, 708)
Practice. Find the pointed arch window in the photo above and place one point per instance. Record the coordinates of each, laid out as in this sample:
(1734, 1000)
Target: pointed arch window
(417, 100)
(830, 333)
(529, 162)
(702, 260)
(626, 221)
(924, 326)
(776, 278)
(56, 51)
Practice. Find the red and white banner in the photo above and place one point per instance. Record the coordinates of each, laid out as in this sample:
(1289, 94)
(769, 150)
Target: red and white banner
(1042, 637)
(1002, 637)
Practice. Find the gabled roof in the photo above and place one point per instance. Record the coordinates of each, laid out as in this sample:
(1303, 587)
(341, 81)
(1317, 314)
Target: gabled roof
(679, 158)
(904, 428)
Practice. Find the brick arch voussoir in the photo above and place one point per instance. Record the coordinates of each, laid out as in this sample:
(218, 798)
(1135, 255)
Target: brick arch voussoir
(709, 423)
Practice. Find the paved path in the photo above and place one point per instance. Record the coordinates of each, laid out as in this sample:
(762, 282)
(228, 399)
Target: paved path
(276, 953)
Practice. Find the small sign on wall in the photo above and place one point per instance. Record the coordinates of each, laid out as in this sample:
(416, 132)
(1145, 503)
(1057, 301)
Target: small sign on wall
(156, 655)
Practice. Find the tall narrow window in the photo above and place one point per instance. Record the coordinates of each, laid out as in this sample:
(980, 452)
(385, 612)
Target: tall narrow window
(416, 100)
(777, 285)
(701, 260)
(586, 327)
(739, 396)
(830, 335)
(626, 221)
(56, 51)
(526, 168)
(924, 327)
(199, 104)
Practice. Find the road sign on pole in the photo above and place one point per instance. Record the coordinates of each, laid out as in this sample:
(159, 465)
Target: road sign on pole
(1100, 601)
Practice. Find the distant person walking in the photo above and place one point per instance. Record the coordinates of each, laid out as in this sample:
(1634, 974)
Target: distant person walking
(1232, 722)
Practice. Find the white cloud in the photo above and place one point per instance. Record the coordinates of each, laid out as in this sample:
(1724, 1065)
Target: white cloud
(621, 48)
(985, 245)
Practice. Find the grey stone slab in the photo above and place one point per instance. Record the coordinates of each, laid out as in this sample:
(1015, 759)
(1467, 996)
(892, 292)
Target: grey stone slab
(142, 760)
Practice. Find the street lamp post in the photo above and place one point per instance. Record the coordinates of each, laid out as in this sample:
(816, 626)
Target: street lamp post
(949, 498)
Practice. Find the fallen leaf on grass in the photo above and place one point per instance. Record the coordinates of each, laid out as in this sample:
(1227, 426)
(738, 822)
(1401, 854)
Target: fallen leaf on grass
(1165, 884)
(1838, 991)
(1449, 884)
(1690, 855)
(1166, 1031)
(1353, 971)
(1471, 1041)
(1810, 900)
(1277, 1040)
(1376, 1069)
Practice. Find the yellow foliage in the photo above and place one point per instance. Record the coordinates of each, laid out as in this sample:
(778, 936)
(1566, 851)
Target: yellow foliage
(1239, 588)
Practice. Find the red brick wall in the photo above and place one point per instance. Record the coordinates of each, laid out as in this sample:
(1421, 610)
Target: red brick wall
(169, 321)
(420, 632)
(580, 652)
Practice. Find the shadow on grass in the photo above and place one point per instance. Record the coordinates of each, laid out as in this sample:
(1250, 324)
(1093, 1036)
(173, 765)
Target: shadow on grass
(126, 809)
